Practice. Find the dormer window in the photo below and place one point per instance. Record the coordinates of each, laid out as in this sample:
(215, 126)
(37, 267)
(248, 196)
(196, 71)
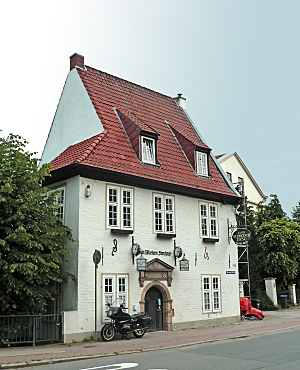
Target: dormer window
(201, 164)
(148, 150)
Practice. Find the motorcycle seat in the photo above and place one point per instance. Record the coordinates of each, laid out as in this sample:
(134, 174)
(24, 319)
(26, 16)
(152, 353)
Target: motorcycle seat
(138, 315)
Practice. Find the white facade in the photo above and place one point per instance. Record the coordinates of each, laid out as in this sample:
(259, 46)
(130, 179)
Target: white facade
(75, 119)
(87, 217)
(234, 167)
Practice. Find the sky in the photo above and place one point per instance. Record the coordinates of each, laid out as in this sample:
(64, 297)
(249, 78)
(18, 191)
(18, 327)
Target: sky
(236, 62)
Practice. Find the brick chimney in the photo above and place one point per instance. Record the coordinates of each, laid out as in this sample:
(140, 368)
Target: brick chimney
(76, 60)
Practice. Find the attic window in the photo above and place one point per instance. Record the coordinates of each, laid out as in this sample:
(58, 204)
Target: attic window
(148, 150)
(201, 164)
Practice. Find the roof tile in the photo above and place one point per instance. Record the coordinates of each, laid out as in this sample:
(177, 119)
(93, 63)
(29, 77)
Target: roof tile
(139, 109)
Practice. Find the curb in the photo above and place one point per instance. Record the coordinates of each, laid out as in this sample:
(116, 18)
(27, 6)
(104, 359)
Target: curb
(80, 357)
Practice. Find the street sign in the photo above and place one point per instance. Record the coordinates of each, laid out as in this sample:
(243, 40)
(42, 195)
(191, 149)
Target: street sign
(241, 236)
(96, 257)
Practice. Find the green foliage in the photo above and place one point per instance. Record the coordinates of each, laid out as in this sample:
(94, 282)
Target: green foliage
(296, 213)
(279, 242)
(32, 237)
(266, 302)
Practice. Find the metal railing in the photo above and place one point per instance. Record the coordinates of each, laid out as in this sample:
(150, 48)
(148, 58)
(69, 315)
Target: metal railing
(17, 329)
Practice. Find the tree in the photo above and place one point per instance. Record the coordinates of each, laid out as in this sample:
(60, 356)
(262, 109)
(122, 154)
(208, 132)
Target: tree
(32, 237)
(271, 211)
(279, 244)
(296, 213)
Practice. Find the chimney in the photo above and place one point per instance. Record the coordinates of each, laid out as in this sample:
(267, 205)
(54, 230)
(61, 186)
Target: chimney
(181, 102)
(76, 60)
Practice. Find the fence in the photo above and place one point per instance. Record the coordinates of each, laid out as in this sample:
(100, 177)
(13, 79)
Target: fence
(28, 329)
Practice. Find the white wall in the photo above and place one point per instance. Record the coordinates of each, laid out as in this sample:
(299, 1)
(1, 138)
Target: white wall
(69, 125)
(185, 291)
(232, 165)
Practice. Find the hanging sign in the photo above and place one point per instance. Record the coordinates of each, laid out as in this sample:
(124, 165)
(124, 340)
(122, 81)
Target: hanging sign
(184, 265)
(241, 236)
(141, 263)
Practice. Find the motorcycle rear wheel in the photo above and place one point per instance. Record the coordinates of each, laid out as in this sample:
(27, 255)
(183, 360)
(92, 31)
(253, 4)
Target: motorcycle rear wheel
(107, 332)
(138, 333)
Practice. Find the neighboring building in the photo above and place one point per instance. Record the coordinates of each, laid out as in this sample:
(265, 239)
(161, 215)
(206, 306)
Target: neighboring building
(132, 168)
(240, 176)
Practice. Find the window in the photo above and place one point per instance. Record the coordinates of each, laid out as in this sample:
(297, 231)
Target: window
(241, 185)
(163, 214)
(208, 220)
(60, 201)
(114, 288)
(229, 175)
(211, 293)
(148, 150)
(201, 164)
(119, 208)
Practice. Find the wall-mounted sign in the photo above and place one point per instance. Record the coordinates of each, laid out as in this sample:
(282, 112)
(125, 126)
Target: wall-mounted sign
(158, 253)
(241, 236)
(141, 263)
(184, 265)
(230, 272)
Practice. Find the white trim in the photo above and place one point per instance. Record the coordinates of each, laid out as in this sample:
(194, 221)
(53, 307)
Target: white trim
(208, 217)
(115, 289)
(211, 293)
(201, 163)
(148, 150)
(116, 206)
(60, 200)
(163, 214)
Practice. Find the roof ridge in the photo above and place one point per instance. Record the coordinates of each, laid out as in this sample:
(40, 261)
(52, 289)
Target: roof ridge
(131, 83)
(86, 153)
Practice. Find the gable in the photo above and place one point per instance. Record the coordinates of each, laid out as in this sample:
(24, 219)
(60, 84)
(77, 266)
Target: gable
(126, 112)
(75, 119)
(234, 165)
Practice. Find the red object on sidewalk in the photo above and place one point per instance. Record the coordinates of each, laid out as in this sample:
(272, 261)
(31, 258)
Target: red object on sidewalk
(246, 308)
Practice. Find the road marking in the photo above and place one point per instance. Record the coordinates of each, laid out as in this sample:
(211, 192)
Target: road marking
(125, 365)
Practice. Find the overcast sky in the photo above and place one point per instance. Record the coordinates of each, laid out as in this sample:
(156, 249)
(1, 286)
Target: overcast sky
(236, 62)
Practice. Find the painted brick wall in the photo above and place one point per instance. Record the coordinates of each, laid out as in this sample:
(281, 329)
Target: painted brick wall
(185, 291)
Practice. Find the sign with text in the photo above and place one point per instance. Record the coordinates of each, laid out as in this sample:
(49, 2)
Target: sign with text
(184, 265)
(241, 236)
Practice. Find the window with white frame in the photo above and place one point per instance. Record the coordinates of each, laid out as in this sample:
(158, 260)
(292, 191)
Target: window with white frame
(114, 289)
(163, 214)
(119, 207)
(208, 220)
(201, 164)
(60, 202)
(211, 293)
(148, 150)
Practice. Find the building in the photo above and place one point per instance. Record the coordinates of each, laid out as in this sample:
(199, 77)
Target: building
(240, 176)
(132, 170)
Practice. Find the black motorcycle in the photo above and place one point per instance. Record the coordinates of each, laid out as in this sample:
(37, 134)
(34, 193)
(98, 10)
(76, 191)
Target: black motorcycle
(124, 323)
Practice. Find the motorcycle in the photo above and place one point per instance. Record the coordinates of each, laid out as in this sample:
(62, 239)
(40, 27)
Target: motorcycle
(124, 323)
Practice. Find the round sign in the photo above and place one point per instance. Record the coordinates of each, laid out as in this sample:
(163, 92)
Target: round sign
(241, 236)
(96, 257)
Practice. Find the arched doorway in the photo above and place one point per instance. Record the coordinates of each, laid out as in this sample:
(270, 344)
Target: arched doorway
(154, 308)
(167, 311)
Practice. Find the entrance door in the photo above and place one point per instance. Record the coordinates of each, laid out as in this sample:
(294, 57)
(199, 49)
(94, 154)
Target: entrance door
(154, 308)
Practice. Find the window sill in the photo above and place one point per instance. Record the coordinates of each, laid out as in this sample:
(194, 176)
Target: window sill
(210, 240)
(163, 235)
(121, 231)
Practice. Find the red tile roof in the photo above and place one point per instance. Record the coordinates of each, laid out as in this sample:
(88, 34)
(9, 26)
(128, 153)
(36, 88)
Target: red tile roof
(146, 110)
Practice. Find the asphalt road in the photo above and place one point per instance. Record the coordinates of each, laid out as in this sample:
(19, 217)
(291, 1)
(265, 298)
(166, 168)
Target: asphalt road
(278, 351)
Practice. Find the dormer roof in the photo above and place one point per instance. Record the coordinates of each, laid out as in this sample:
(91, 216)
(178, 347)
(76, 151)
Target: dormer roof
(126, 111)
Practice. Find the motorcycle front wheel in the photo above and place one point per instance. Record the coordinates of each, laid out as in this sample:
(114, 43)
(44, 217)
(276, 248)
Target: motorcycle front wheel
(107, 332)
(138, 333)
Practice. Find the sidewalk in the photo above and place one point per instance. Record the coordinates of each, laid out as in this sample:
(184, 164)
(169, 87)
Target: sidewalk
(24, 356)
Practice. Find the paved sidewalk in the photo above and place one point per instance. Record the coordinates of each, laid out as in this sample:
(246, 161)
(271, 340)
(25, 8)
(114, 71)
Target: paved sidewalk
(12, 357)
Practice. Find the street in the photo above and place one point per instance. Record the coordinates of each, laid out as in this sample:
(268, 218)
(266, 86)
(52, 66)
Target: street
(277, 351)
